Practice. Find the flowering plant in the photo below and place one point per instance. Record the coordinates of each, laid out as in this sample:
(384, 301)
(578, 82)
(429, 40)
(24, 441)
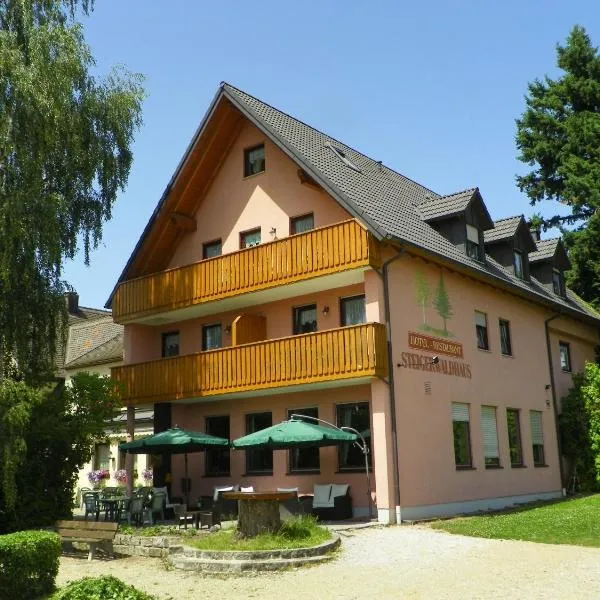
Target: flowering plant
(121, 476)
(97, 477)
(147, 475)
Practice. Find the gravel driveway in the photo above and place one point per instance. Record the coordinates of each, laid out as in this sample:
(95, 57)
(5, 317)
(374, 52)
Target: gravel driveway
(392, 562)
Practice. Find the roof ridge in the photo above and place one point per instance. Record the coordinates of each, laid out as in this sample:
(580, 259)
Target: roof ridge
(521, 216)
(471, 189)
(94, 349)
(225, 84)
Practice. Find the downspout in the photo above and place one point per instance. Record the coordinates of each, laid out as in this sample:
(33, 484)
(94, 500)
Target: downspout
(554, 402)
(386, 305)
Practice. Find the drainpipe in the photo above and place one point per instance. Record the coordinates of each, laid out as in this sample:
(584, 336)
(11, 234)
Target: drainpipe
(386, 304)
(554, 401)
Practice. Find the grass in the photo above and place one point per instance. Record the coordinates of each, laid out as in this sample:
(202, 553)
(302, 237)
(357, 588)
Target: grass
(573, 521)
(157, 530)
(299, 532)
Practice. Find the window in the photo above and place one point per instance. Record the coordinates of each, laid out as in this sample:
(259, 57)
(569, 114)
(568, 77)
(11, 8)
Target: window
(259, 460)
(357, 416)
(211, 336)
(305, 319)
(481, 330)
(352, 310)
(462, 435)
(304, 459)
(505, 343)
(170, 344)
(216, 460)
(211, 249)
(302, 224)
(473, 245)
(514, 437)
(518, 263)
(490, 436)
(102, 456)
(250, 238)
(254, 160)
(557, 282)
(565, 356)
(537, 438)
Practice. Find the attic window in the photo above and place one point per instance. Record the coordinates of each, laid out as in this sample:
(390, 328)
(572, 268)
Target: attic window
(342, 156)
(254, 160)
(518, 264)
(558, 284)
(473, 243)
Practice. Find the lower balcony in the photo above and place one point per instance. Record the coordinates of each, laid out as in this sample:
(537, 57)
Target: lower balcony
(346, 355)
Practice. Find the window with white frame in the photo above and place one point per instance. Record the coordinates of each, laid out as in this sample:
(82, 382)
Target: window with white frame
(481, 330)
(473, 243)
(537, 438)
(462, 435)
(489, 429)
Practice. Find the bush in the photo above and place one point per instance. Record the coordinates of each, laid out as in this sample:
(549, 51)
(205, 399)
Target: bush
(28, 564)
(100, 588)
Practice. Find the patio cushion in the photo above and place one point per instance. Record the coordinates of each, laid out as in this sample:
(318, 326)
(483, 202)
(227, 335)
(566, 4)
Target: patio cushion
(247, 488)
(338, 489)
(322, 496)
(222, 488)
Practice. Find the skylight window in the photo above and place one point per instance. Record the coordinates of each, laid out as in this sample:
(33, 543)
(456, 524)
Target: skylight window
(342, 156)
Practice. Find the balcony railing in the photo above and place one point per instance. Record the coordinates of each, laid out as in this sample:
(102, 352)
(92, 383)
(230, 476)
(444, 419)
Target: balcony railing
(358, 351)
(331, 249)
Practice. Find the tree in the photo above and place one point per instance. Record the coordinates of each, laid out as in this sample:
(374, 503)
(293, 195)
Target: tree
(442, 303)
(65, 152)
(46, 437)
(558, 134)
(422, 289)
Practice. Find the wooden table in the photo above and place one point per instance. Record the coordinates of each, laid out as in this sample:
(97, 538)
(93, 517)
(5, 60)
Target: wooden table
(258, 512)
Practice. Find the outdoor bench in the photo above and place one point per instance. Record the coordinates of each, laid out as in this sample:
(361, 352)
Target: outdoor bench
(86, 532)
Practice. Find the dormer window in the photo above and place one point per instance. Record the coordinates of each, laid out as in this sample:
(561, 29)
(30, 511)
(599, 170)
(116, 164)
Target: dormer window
(473, 243)
(558, 283)
(518, 264)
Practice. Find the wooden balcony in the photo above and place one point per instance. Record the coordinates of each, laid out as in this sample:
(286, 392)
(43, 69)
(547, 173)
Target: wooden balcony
(330, 250)
(356, 352)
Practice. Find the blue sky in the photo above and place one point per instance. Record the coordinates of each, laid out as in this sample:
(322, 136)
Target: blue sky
(431, 88)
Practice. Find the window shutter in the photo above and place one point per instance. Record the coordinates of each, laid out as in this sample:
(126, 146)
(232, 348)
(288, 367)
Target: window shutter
(473, 234)
(460, 411)
(537, 436)
(480, 319)
(490, 432)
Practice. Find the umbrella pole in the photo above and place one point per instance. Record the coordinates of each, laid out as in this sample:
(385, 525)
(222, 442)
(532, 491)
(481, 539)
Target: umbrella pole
(187, 487)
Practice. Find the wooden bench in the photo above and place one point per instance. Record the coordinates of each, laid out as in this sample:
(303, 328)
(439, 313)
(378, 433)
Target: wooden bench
(87, 532)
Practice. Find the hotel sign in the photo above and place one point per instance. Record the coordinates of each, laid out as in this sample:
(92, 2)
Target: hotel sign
(419, 341)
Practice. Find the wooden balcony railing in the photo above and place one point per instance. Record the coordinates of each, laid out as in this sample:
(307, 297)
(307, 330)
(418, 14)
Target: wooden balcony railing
(330, 249)
(348, 352)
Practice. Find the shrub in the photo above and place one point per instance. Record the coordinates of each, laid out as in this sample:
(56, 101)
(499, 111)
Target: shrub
(28, 564)
(100, 588)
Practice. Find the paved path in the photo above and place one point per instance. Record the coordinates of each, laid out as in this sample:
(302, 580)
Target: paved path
(394, 562)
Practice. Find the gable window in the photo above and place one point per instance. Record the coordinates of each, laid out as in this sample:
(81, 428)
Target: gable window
(211, 336)
(481, 330)
(352, 311)
(489, 429)
(462, 435)
(357, 416)
(518, 264)
(216, 461)
(505, 343)
(473, 243)
(302, 224)
(170, 344)
(211, 249)
(514, 437)
(305, 319)
(558, 284)
(254, 160)
(537, 438)
(259, 460)
(564, 350)
(304, 459)
(250, 238)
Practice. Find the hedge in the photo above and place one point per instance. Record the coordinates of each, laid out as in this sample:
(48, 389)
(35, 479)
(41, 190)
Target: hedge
(100, 588)
(28, 564)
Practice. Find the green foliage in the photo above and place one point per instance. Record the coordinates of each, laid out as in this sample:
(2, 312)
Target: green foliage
(579, 424)
(28, 564)
(65, 152)
(442, 303)
(60, 429)
(573, 521)
(100, 588)
(558, 135)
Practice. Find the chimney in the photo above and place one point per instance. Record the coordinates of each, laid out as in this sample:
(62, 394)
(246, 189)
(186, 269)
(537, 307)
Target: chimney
(72, 302)
(536, 232)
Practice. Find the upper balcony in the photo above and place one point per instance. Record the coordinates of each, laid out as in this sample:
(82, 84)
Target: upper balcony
(343, 356)
(324, 258)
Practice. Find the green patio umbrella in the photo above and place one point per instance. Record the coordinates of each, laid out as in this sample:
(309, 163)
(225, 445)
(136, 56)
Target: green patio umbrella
(174, 441)
(294, 434)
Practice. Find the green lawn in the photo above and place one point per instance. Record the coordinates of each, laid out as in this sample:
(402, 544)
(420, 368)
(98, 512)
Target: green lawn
(573, 521)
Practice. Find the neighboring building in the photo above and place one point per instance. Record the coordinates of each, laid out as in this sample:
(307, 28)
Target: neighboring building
(95, 344)
(262, 286)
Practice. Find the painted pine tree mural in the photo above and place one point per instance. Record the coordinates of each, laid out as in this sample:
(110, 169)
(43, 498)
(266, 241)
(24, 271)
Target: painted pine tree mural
(442, 303)
(422, 293)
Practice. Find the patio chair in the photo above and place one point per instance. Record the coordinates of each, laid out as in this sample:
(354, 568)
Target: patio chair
(92, 506)
(181, 515)
(169, 504)
(222, 507)
(332, 502)
(135, 513)
(80, 493)
(157, 506)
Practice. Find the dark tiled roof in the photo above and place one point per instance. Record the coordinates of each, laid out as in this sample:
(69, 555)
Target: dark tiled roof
(503, 229)
(94, 342)
(108, 352)
(446, 206)
(545, 250)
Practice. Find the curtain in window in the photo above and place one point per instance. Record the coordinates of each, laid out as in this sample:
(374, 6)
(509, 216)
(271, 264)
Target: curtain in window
(302, 224)
(537, 436)
(212, 337)
(353, 310)
(505, 337)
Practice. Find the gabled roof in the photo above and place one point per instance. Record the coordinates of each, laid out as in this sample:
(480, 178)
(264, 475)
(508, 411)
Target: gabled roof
(551, 250)
(95, 342)
(508, 228)
(442, 207)
(108, 352)
(386, 202)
